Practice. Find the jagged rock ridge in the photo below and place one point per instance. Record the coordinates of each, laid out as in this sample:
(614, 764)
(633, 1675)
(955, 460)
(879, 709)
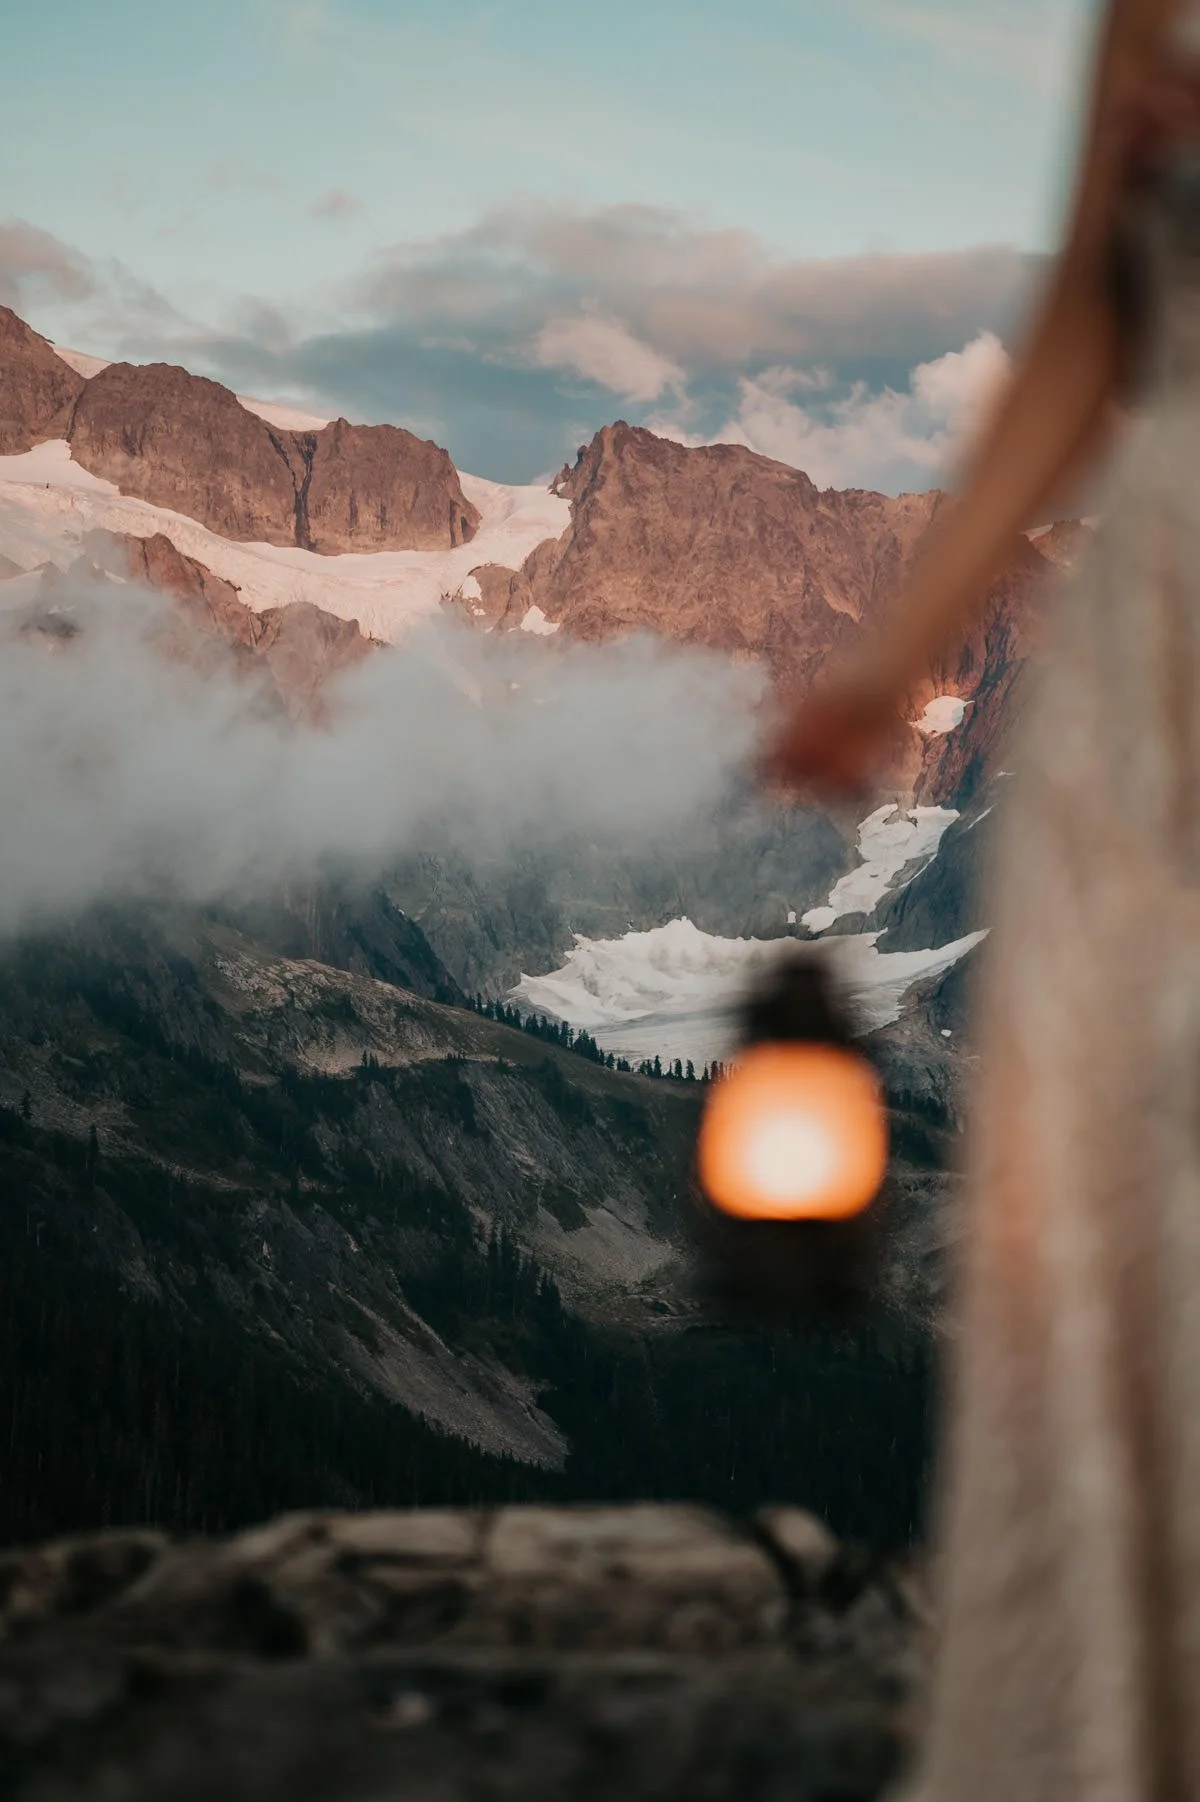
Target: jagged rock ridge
(184, 442)
(36, 387)
(720, 547)
(715, 546)
(293, 651)
(301, 646)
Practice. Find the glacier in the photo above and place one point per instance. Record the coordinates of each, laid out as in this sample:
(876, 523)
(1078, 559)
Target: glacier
(673, 991)
(48, 504)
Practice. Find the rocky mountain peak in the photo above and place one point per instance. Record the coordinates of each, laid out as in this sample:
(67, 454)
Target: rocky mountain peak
(721, 547)
(714, 545)
(36, 386)
(378, 487)
(184, 442)
(717, 546)
(292, 652)
(181, 441)
(621, 452)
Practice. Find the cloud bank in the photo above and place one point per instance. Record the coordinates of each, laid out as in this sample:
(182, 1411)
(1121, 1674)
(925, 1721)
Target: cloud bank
(124, 775)
(885, 440)
(34, 263)
(512, 341)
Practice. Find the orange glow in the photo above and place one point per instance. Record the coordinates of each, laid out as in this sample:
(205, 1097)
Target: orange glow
(794, 1132)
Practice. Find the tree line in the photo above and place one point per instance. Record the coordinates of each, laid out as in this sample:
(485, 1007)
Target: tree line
(582, 1043)
(118, 1407)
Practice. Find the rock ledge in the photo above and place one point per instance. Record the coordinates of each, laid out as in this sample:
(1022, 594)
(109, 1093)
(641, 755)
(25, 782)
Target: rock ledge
(530, 1653)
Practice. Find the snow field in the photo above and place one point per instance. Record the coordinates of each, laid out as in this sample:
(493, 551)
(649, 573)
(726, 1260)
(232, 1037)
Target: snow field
(48, 503)
(673, 991)
(888, 840)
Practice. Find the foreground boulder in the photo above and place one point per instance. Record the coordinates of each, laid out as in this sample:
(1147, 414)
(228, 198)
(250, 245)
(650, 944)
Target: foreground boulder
(527, 1653)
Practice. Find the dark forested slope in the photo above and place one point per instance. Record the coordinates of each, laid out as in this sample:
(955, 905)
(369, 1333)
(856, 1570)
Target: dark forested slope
(275, 1234)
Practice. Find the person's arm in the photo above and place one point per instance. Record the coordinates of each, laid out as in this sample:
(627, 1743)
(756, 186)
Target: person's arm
(1057, 410)
(1051, 421)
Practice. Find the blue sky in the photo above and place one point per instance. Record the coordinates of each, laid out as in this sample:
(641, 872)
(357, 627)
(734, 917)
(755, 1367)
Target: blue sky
(499, 221)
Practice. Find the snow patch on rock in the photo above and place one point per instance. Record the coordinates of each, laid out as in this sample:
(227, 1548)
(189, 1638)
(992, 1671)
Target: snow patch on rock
(535, 621)
(48, 503)
(942, 715)
(80, 362)
(282, 414)
(50, 465)
(888, 840)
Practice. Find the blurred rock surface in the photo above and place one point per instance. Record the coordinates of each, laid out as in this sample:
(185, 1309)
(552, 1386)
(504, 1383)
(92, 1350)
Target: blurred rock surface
(526, 1653)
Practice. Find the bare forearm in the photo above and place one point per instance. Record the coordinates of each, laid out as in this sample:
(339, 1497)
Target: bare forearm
(1059, 409)
(1059, 414)
(1069, 494)
(1054, 419)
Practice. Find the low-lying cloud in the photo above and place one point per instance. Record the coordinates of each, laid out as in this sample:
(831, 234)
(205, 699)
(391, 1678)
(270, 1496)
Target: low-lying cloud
(706, 298)
(886, 439)
(606, 352)
(35, 264)
(125, 775)
(692, 331)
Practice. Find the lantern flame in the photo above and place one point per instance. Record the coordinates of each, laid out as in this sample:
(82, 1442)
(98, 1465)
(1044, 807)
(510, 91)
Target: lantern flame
(794, 1132)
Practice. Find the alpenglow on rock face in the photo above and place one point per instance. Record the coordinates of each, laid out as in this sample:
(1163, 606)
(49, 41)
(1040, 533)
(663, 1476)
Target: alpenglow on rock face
(184, 442)
(378, 488)
(714, 546)
(36, 386)
(721, 547)
(301, 646)
(534, 1653)
(717, 546)
(180, 441)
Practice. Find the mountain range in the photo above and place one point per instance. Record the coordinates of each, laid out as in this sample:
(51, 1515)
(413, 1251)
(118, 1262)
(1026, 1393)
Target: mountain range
(715, 546)
(309, 1136)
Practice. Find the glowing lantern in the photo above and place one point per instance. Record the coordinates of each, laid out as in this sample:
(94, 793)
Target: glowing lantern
(794, 1132)
(792, 1151)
